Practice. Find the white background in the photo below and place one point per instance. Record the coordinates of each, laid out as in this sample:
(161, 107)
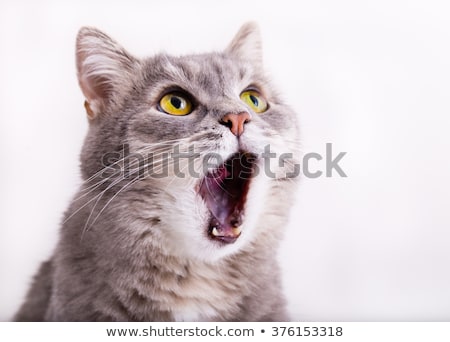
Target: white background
(371, 77)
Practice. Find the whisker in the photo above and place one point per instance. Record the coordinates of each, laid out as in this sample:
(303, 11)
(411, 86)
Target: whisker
(144, 148)
(99, 197)
(107, 203)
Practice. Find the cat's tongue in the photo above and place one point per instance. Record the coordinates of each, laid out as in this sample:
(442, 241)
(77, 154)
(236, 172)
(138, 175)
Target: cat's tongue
(224, 191)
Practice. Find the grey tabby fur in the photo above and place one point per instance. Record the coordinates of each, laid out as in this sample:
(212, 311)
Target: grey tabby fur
(138, 251)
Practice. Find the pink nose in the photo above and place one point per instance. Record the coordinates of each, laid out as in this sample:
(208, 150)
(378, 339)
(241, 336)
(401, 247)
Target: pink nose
(236, 122)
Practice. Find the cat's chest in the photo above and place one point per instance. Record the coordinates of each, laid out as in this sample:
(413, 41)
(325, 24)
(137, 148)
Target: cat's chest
(195, 293)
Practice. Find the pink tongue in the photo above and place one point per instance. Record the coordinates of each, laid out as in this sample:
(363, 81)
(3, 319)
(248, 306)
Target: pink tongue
(224, 191)
(223, 195)
(216, 196)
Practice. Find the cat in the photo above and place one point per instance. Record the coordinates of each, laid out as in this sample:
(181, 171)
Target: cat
(153, 235)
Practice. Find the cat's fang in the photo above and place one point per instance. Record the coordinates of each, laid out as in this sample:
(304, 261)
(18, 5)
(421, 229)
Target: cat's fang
(215, 232)
(236, 231)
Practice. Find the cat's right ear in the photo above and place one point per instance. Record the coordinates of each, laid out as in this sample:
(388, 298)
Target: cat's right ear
(246, 44)
(103, 68)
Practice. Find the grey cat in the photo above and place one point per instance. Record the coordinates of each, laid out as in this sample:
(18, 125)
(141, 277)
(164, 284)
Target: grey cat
(188, 178)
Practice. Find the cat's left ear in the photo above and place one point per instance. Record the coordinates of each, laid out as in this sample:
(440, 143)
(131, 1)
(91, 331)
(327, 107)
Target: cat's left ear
(246, 44)
(104, 70)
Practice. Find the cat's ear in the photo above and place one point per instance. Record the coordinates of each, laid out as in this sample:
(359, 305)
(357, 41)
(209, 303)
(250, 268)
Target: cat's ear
(246, 44)
(103, 68)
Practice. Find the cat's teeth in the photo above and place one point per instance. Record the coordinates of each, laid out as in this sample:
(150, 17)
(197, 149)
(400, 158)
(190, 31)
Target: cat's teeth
(237, 231)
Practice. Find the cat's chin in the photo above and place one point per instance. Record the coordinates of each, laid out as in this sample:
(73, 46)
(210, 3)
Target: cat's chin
(224, 190)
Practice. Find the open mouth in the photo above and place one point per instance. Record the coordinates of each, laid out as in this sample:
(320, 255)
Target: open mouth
(224, 191)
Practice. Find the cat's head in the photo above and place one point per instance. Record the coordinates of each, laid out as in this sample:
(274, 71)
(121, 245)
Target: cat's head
(203, 142)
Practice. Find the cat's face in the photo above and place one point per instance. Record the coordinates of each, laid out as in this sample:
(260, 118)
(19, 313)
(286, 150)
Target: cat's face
(206, 133)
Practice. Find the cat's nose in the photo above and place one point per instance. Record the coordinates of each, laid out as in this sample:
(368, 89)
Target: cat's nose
(235, 122)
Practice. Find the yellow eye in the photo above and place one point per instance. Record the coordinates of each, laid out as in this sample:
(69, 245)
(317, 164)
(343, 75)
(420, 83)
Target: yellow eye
(254, 99)
(175, 104)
